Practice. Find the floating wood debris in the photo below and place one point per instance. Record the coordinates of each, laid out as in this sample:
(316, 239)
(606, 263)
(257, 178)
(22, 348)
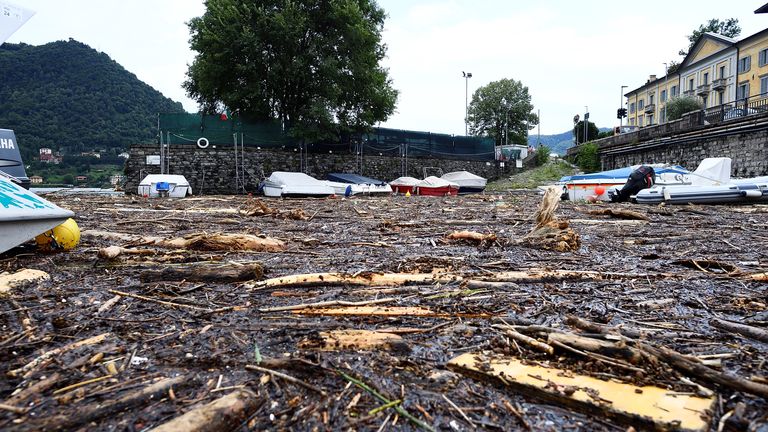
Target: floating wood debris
(353, 339)
(646, 406)
(549, 232)
(9, 281)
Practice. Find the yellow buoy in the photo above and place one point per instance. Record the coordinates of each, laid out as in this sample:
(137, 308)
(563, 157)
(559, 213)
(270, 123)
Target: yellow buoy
(407, 193)
(62, 237)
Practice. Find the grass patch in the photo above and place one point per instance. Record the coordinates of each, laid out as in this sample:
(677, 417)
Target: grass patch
(550, 172)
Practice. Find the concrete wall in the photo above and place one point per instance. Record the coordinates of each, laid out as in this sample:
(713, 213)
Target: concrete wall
(212, 170)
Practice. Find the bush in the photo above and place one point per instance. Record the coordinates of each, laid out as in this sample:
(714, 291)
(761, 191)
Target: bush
(542, 155)
(681, 105)
(588, 158)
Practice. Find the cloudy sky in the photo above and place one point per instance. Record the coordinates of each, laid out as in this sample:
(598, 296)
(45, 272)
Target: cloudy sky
(569, 54)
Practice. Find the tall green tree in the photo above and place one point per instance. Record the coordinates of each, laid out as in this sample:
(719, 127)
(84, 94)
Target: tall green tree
(592, 132)
(729, 28)
(500, 106)
(313, 65)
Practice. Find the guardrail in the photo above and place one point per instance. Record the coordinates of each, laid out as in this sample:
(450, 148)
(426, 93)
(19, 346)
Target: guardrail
(741, 108)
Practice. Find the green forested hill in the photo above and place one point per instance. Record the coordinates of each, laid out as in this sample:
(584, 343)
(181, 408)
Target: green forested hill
(71, 98)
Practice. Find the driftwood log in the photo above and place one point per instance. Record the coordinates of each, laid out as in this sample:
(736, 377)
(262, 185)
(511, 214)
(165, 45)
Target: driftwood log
(742, 329)
(98, 410)
(201, 273)
(225, 413)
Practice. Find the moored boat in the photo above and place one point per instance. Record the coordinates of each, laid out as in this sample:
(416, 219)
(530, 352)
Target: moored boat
(295, 185)
(738, 191)
(436, 186)
(468, 182)
(25, 215)
(357, 184)
(404, 185)
(585, 186)
(164, 185)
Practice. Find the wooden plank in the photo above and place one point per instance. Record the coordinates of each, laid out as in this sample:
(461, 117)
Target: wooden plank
(346, 339)
(368, 310)
(387, 312)
(648, 406)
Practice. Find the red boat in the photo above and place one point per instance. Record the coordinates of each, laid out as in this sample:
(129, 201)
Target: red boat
(404, 185)
(435, 186)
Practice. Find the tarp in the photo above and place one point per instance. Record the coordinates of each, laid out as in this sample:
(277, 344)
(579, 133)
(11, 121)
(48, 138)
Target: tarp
(11, 18)
(353, 179)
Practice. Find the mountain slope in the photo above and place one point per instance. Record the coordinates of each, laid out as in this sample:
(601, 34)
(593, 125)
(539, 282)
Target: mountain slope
(558, 143)
(67, 96)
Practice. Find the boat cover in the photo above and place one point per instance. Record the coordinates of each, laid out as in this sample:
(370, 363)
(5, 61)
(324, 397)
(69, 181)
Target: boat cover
(353, 179)
(435, 182)
(405, 181)
(459, 176)
(712, 171)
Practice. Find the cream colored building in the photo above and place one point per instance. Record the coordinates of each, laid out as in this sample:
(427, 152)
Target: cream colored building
(718, 70)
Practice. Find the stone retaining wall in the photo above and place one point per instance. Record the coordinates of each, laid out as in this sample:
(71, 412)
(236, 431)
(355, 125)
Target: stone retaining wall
(212, 170)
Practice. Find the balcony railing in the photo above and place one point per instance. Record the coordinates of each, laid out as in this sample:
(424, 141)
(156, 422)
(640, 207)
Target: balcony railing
(702, 90)
(719, 84)
(741, 108)
(650, 108)
(690, 92)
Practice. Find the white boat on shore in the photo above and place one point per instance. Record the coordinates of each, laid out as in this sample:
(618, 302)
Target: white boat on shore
(468, 182)
(164, 185)
(295, 185)
(24, 215)
(359, 185)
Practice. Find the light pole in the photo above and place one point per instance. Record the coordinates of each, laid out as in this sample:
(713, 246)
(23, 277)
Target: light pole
(506, 120)
(621, 105)
(467, 76)
(586, 123)
(666, 91)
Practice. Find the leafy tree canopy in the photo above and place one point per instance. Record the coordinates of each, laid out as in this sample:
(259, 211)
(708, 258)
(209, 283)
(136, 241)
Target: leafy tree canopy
(497, 103)
(678, 106)
(311, 64)
(588, 157)
(729, 28)
(592, 132)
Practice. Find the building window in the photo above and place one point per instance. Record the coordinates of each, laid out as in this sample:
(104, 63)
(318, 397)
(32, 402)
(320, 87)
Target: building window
(640, 121)
(764, 85)
(650, 119)
(704, 100)
(742, 91)
(706, 78)
(632, 121)
(663, 115)
(762, 57)
(674, 91)
(663, 96)
(745, 64)
(690, 84)
(720, 95)
(641, 104)
(650, 99)
(722, 71)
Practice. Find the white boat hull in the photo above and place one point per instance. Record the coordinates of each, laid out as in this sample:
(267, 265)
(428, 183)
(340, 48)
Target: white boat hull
(178, 186)
(24, 215)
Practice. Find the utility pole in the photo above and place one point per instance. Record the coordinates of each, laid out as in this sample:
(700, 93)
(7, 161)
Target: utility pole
(621, 105)
(467, 76)
(586, 122)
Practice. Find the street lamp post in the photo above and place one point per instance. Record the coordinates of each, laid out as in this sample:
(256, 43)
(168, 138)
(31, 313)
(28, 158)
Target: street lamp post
(467, 76)
(666, 92)
(621, 105)
(586, 122)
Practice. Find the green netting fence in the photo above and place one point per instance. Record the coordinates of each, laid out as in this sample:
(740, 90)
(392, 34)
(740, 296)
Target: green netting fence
(175, 129)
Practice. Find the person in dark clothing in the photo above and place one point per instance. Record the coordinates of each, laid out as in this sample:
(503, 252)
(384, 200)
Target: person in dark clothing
(641, 178)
